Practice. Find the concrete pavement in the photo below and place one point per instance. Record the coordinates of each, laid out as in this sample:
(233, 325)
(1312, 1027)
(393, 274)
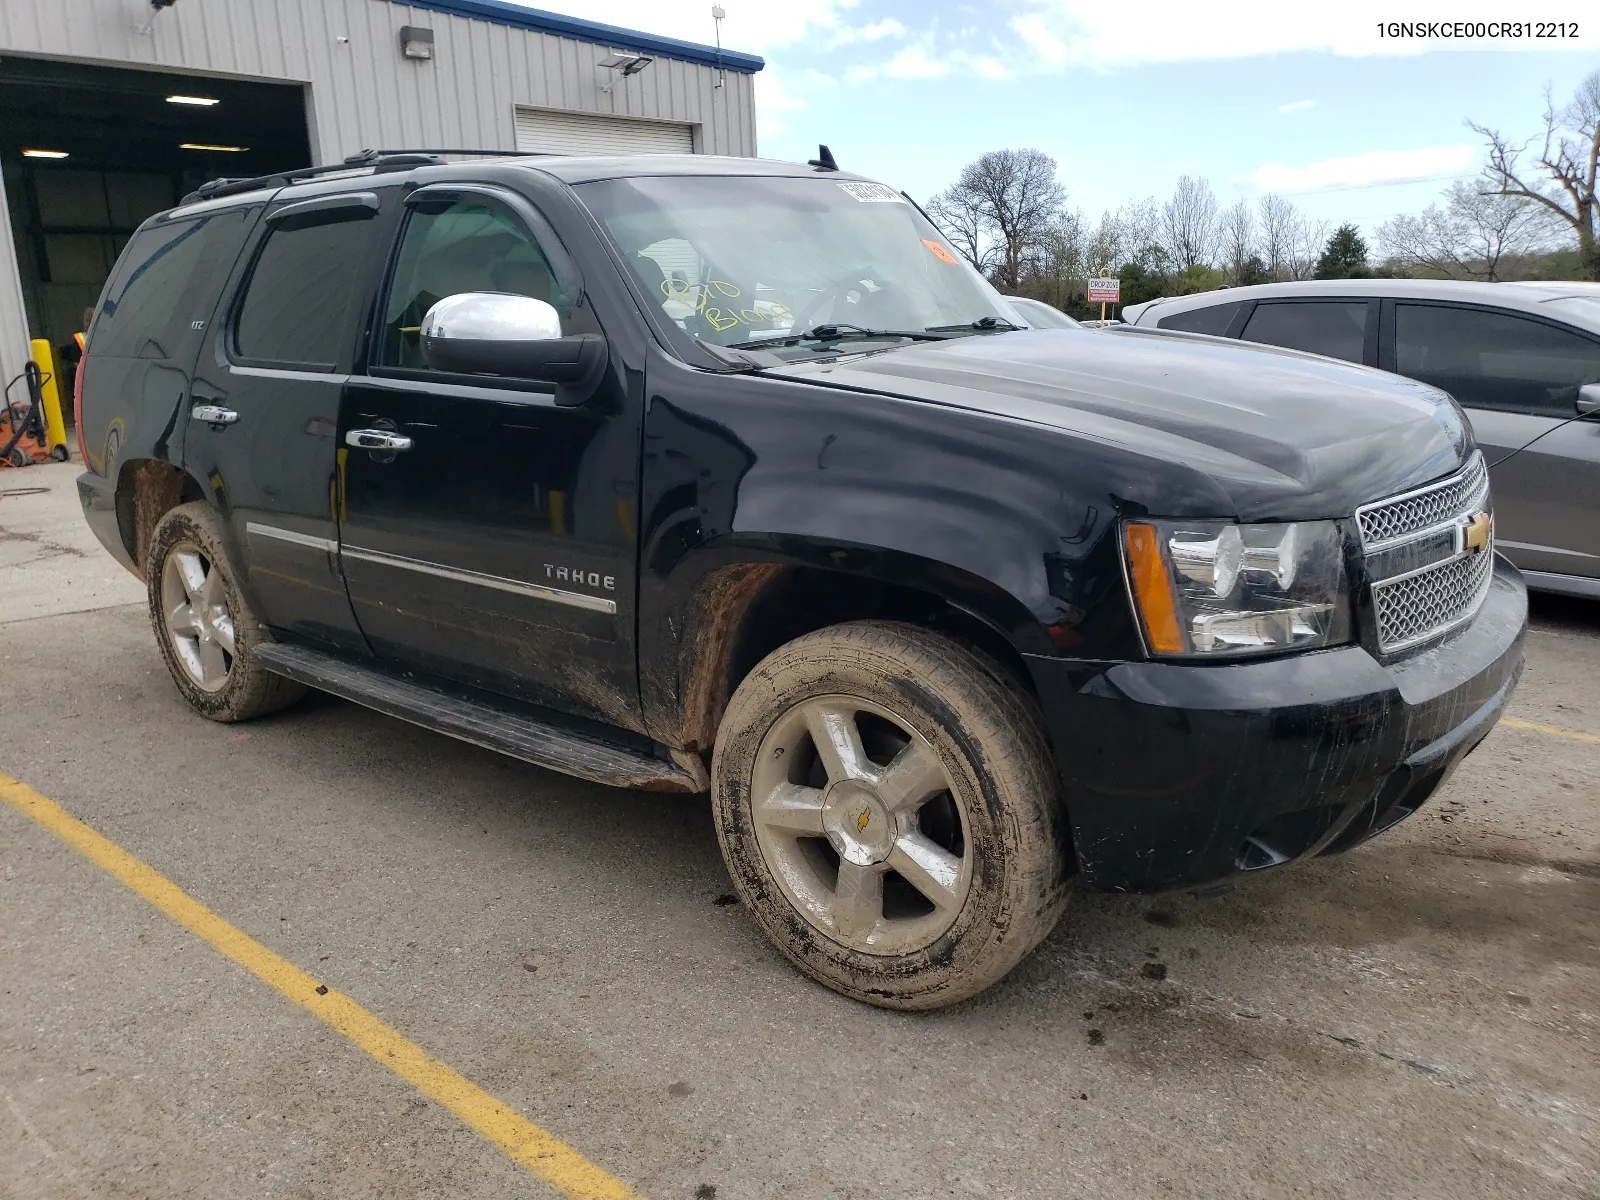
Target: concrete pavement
(1420, 1017)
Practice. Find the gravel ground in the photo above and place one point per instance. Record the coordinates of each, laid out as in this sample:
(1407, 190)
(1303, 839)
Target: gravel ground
(1420, 1017)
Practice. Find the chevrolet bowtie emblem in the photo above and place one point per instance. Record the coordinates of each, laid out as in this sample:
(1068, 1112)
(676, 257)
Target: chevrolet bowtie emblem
(864, 819)
(1478, 531)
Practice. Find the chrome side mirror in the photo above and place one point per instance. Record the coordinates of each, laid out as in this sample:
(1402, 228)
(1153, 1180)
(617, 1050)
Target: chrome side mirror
(512, 337)
(491, 317)
(1589, 399)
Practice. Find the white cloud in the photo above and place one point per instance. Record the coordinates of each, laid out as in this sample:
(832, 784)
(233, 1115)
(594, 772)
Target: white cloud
(1037, 34)
(1373, 169)
(1297, 106)
(916, 63)
(875, 32)
(986, 67)
(774, 99)
(913, 62)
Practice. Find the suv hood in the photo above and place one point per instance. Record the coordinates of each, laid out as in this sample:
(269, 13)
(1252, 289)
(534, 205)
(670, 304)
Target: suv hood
(1282, 434)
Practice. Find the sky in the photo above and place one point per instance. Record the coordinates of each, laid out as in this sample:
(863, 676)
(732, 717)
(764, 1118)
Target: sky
(1315, 102)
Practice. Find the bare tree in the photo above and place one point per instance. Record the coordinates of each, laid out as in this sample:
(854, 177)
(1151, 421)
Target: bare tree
(1469, 236)
(963, 225)
(1103, 250)
(1307, 239)
(1568, 159)
(1279, 223)
(1054, 266)
(1237, 227)
(1139, 222)
(1003, 205)
(1189, 223)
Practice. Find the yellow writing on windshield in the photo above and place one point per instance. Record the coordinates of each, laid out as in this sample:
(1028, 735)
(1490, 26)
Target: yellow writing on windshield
(708, 299)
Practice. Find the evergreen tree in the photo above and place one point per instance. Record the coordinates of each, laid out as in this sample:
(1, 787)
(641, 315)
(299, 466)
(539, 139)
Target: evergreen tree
(1344, 257)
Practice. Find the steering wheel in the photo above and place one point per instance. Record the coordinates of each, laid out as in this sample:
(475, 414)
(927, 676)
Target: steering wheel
(832, 291)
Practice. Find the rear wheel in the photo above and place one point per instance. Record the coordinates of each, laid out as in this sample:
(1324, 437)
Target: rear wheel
(888, 808)
(203, 623)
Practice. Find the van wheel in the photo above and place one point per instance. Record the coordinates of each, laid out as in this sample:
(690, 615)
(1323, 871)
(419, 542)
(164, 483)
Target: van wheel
(890, 813)
(203, 624)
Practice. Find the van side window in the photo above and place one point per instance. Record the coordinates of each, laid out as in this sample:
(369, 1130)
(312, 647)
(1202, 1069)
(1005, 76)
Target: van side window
(1495, 359)
(1213, 320)
(1336, 328)
(450, 247)
(156, 294)
(296, 308)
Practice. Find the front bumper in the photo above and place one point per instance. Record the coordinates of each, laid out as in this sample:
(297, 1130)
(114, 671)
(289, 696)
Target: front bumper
(1181, 775)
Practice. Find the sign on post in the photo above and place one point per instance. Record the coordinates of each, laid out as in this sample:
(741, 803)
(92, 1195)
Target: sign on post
(1104, 292)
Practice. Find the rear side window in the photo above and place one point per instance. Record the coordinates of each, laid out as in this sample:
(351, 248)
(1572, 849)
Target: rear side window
(167, 279)
(297, 304)
(1336, 328)
(1495, 359)
(1213, 320)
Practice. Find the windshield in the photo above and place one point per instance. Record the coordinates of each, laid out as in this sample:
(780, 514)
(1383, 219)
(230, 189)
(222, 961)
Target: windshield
(1040, 315)
(737, 260)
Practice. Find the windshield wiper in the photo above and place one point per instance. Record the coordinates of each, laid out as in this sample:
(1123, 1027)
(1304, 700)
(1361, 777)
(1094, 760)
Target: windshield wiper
(983, 324)
(839, 331)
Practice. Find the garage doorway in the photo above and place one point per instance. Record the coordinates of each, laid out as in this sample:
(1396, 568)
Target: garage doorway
(551, 131)
(88, 152)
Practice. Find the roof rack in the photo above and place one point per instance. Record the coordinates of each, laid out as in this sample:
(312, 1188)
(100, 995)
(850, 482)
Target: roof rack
(377, 160)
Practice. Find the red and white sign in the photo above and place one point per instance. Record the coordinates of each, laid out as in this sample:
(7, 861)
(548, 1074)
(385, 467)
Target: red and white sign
(1105, 291)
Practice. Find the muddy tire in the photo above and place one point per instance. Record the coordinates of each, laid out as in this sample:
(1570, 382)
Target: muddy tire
(203, 623)
(890, 812)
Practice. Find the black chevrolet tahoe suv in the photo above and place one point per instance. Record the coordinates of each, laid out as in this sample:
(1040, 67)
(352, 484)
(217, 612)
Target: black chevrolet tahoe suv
(707, 474)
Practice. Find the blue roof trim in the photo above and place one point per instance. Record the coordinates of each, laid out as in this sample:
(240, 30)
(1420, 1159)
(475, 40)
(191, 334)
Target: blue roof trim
(515, 15)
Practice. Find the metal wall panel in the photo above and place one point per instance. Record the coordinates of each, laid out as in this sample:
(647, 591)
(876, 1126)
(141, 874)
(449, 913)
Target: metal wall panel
(361, 92)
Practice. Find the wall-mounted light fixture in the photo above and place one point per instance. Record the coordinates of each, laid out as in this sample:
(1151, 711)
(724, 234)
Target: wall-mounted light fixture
(624, 63)
(45, 153)
(197, 101)
(416, 42)
(209, 146)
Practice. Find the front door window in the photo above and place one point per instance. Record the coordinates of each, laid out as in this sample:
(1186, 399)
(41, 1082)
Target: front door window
(455, 247)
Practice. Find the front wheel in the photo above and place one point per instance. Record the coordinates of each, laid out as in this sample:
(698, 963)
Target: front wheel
(889, 811)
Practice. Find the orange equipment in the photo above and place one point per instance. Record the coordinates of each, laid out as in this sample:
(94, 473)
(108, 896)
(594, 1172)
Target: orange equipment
(23, 437)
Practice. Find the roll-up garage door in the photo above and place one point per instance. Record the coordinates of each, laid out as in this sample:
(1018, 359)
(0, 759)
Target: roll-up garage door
(587, 133)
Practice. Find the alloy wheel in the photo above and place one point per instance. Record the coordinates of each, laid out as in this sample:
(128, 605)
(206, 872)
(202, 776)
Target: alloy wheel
(194, 603)
(854, 815)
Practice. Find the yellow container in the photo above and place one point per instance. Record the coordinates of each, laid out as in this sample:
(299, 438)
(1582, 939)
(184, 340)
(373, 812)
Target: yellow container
(55, 427)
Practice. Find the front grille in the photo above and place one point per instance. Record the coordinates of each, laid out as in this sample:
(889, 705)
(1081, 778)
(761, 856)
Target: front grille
(1444, 580)
(1427, 507)
(1413, 609)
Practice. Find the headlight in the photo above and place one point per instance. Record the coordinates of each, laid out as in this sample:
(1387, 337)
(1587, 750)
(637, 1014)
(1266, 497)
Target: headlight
(1211, 588)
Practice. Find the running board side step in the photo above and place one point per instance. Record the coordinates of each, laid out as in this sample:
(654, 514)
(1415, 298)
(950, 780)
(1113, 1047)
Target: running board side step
(504, 727)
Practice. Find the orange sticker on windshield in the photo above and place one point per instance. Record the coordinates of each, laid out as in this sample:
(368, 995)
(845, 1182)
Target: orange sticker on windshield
(939, 251)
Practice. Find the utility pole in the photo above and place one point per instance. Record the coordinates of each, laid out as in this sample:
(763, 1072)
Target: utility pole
(717, 13)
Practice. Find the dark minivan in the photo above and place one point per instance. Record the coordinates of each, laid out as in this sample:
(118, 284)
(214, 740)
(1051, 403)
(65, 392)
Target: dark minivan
(719, 475)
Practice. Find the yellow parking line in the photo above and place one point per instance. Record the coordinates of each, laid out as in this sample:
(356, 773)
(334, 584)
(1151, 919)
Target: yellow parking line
(551, 1159)
(1574, 735)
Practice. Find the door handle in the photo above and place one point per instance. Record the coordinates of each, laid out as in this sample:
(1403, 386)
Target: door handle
(213, 414)
(377, 439)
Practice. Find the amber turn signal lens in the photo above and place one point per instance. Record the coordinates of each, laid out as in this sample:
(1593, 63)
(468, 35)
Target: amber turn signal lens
(1152, 589)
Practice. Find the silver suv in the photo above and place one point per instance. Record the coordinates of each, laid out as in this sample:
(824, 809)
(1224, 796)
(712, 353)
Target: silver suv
(1523, 359)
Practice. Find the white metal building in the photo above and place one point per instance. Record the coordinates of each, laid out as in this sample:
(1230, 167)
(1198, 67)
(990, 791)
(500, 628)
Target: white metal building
(112, 109)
